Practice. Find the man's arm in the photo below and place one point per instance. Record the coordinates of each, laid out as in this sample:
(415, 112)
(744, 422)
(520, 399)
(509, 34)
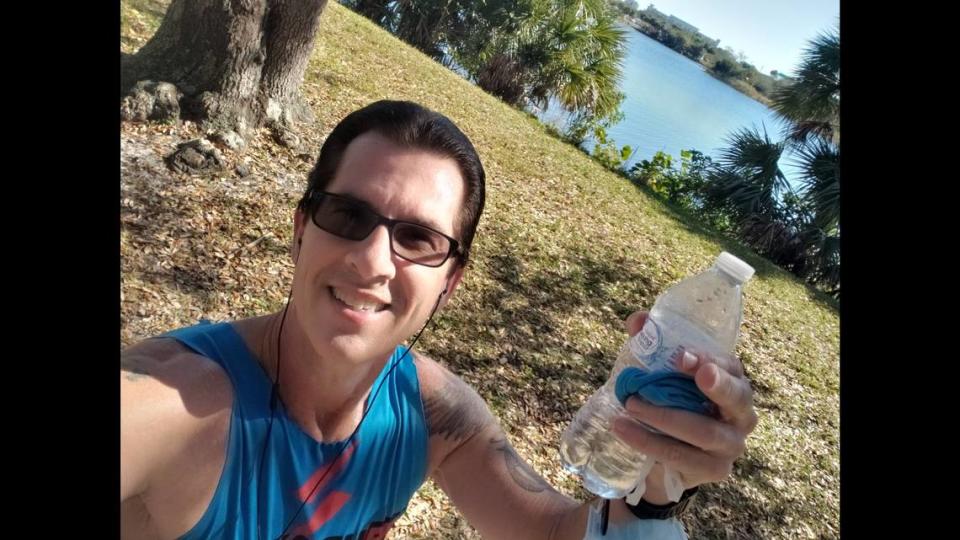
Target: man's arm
(503, 497)
(143, 422)
(495, 489)
(174, 416)
(500, 494)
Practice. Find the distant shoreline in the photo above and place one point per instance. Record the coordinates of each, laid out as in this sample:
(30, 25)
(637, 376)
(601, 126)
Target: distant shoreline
(642, 27)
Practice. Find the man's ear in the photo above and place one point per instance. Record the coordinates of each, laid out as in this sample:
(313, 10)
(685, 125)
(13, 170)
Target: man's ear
(299, 225)
(453, 281)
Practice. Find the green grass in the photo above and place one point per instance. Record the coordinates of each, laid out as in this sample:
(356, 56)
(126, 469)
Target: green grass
(565, 250)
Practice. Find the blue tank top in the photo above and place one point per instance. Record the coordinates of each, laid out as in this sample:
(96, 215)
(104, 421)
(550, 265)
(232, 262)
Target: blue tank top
(366, 488)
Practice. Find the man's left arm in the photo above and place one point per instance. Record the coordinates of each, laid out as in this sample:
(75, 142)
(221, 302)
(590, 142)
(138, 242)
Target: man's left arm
(503, 497)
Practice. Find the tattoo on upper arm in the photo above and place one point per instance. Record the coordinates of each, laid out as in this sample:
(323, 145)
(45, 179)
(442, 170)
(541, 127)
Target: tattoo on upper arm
(455, 410)
(134, 366)
(521, 472)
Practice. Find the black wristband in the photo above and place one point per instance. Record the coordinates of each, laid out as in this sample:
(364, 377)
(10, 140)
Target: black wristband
(646, 510)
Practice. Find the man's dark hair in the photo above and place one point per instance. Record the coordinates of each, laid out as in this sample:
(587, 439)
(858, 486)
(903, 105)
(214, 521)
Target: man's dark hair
(410, 125)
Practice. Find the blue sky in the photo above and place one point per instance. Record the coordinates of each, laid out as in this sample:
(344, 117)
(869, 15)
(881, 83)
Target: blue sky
(771, 33)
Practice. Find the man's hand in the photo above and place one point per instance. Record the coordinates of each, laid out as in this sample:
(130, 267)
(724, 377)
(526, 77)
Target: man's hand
(702, 449)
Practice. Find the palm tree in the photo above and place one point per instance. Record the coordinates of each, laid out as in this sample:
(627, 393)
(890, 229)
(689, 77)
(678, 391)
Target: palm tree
(748, 185)
(377, 11)
(811, 104)
(819, 163)
(523, 51)
(570, 50)
(748, 178)
(584, 49)
(425, 24)
(800, 230)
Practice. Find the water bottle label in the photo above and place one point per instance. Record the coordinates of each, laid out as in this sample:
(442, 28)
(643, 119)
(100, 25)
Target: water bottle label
(653, 349)
(647, 341)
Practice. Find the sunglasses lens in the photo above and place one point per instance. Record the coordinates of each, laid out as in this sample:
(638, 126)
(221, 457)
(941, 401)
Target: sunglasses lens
(344, 218)
(420, 245)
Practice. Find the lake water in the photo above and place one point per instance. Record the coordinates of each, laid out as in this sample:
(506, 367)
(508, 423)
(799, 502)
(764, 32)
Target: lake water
(672, 104)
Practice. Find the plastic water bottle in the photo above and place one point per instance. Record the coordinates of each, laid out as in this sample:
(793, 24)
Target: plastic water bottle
(701, 314)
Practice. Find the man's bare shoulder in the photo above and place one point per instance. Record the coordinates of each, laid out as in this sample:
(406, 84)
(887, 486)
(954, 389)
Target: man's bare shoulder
(455, 412)
(170, 397)
(164, 367)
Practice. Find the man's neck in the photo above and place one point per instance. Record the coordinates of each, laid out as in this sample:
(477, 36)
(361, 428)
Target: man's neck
(324, 396)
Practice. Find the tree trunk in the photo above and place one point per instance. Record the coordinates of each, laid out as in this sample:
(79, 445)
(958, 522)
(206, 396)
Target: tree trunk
(238, 64)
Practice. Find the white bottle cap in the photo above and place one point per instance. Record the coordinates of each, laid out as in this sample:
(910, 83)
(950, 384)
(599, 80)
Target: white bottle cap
(734, 267)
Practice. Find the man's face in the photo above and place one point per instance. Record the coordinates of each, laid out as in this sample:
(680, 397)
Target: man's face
(357, 300)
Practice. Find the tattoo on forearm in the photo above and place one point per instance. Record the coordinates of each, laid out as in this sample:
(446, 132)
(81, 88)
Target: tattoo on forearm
(519, 470)
(455, 411)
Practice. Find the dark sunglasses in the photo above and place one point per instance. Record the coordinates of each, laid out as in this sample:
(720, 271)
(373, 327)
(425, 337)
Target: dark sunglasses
(352, 219)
